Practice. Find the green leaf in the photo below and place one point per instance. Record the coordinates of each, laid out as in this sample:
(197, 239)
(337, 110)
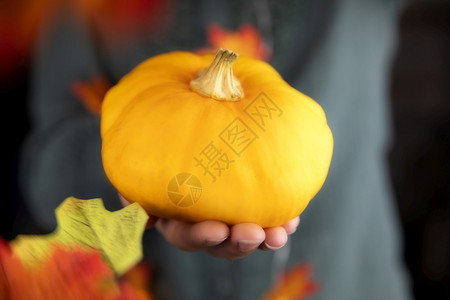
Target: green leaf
(117, 235)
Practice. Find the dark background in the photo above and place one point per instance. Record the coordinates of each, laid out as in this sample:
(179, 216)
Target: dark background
(419, 156)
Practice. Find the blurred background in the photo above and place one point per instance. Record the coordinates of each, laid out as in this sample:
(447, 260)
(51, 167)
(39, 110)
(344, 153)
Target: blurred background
(419, 154)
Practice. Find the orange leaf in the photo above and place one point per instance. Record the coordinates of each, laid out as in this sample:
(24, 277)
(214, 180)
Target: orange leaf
(139, 278)
(245, 41)
(295, 284)
(91, 93)
(67, 273)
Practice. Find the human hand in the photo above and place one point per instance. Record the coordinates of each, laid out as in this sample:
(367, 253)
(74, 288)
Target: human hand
(221, 240)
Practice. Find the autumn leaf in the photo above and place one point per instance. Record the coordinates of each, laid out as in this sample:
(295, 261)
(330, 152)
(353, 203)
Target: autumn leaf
(139, 278)
(91, 92)
(84, 258)
(246, 40)
(295, 284)
(117, 235)
(67, 272)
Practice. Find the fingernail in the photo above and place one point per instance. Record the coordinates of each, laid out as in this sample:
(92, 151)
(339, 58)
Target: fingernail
(271, 247)
(211, 243)
(248, 245)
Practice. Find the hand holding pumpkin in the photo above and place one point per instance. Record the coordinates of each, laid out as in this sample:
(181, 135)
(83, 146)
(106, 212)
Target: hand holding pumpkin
(219, 239)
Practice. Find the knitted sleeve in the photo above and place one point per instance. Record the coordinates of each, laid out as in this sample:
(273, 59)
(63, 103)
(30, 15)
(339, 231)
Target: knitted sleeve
(61, 155)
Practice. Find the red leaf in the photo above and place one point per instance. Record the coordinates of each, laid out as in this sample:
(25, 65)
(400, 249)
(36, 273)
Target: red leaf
(68, 273)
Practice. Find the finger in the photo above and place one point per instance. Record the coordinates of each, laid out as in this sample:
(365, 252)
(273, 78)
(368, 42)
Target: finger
(124, 201)
(292, 225)
(243, 240)
(193, 236)
(276, 237)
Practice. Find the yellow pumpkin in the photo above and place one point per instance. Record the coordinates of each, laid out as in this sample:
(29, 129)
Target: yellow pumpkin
(214, 137)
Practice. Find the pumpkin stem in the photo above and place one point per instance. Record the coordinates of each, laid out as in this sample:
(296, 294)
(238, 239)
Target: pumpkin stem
(217, 81)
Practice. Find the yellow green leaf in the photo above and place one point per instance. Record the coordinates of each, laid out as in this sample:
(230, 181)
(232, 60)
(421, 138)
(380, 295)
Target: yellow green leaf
(118, 235)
